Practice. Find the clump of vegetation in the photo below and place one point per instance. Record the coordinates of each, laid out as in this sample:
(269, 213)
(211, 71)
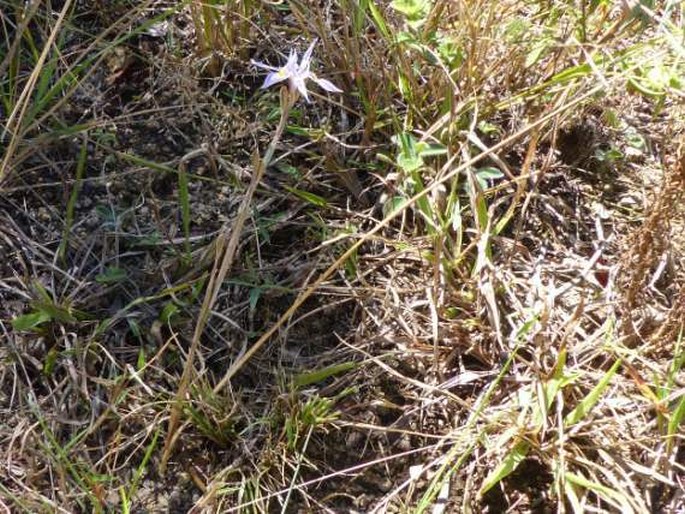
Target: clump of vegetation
(451, 277)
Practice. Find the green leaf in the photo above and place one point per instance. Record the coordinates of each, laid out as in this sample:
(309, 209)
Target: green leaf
(516, 29)
(308, 197)
(73, 197)
(483, 175)
(111, 275)
(30, 321)
(508, 465)
(314, 377)
(393, 204)
(578, 71)
(298, 131)
(636, 141)
(455, 218)
(430, 149)
(478, 204)
(255, 293)
(404, 86)
(140, 363)
(50, 361)
(409, 163)
(411, 152)
(451, 53)
(169, 310)
(64, 314)
(414, 10)
(184, 201)
(407, 38)
(607, 493)
(409, 158)
(289, 169)
(678, 415)
(676, 420)
(488, 128)
(536, 53)
(585, 406)
(378, 20)
(610, 155)
(133, 326)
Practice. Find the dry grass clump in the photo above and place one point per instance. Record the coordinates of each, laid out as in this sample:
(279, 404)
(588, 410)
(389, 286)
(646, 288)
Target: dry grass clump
(652, 266)
(458, 286)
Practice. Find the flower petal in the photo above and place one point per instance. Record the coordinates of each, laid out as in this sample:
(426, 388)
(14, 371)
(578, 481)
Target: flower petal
(291, 65)
(298, 83)
(325, 84)
(306, 58)
(275, 78)
(262, 65)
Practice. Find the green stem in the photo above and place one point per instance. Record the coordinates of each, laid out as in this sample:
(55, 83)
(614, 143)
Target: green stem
(288, 98)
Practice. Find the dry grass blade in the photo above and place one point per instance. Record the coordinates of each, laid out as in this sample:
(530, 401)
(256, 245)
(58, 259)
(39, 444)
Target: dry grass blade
(13, 123)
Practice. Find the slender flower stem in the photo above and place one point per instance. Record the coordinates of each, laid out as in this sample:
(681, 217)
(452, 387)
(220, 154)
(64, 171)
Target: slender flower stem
(225, 248)
(288, 98)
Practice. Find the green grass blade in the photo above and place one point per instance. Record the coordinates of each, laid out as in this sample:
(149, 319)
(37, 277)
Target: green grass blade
(184, 202)
(73, 197)
(585, 406)
(314, 377)
(507, 467)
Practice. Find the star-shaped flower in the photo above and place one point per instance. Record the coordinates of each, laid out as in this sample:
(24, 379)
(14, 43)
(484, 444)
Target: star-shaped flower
(296, 74)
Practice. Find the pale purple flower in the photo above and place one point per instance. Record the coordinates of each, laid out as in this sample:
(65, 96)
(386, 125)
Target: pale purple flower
(296, 74)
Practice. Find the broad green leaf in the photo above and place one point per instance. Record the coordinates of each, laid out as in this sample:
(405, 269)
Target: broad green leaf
(254, 295)
(30, 321)
(408, 157)
(409, 163)
(414, 10)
